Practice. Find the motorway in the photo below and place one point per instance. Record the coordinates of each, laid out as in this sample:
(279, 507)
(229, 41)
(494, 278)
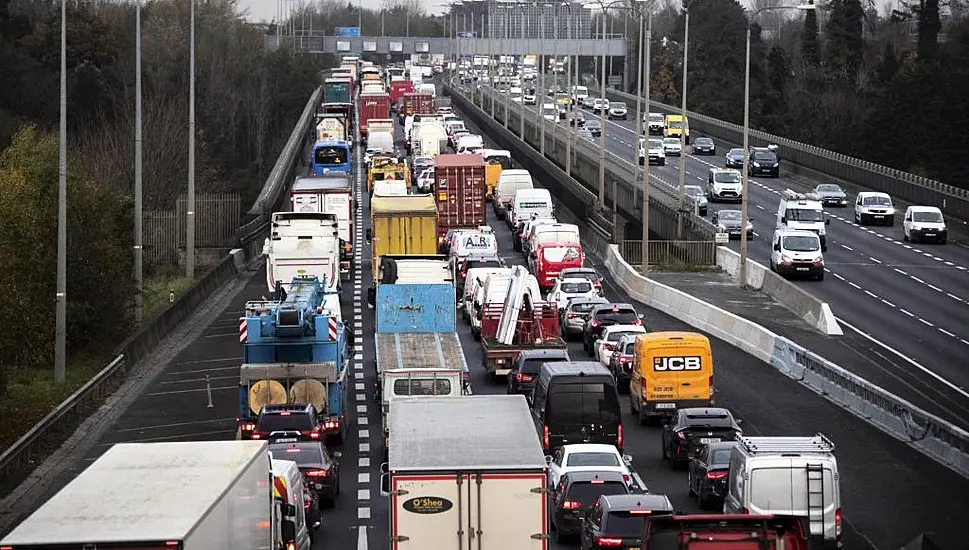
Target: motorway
(912, 299)
(890, 492)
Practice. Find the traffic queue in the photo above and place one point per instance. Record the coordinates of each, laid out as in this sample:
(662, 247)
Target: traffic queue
(546, 460)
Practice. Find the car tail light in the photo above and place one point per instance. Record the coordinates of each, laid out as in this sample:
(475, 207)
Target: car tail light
(744, 511)
(626, 478)
(680, 435)
(837, 523)
(312, 434)
(248, 426)
(572, 315)
(716, 475)
(285, 413)
(317, 473)
(608, 541)
(291, 546)
(710, 385)
(258, 435)
(619, 438)
(594, 324)
(638, 322)
(608, 346)
(545, 437)
(331, 425)
(523, 377)
(570, 505)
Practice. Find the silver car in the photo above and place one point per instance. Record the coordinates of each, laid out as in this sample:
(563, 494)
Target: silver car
(575, 313)
(699, 197)
(831, 195)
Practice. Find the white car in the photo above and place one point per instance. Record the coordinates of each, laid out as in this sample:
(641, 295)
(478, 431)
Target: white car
(550, 112)
(655, 153)
(599, 105)
(565, 289)
(672, 146)
(605, 345)
(924, 223)
(874, 207)
(585, 457)
(425, 181)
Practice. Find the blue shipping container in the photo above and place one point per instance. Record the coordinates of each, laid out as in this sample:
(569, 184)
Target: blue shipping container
(415, 308)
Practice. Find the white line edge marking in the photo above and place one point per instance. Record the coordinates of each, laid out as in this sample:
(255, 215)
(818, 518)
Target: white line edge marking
(906, 358)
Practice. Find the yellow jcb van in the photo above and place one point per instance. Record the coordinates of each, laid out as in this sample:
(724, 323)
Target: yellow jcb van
(671, 370)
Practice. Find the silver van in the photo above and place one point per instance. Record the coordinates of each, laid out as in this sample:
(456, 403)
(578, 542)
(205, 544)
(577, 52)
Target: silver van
(796, 476)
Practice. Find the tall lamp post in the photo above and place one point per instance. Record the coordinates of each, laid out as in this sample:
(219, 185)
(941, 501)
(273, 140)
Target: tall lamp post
(60, 314)
(190, 200)
(683, 123)
(639, 117)
(570, 86)
(138, 169)
(744, 177)
(602, 119)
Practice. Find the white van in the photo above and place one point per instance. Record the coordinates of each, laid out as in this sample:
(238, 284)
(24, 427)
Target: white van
(427, 88)
(477, 242)
(796, 252)
(528, 202)
(874, 207)
(495, 290)
(802, 211)
(528, 229)
(562, 233)
(794, 476)
(288, 487)
(473, 281)
(470, 143)
(509, 182)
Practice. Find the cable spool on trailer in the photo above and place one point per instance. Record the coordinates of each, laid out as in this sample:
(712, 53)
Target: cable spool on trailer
(309, 391)
(266, 392)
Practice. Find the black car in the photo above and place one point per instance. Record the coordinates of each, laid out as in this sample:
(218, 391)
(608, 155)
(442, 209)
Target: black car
(321, 471)
(734, 158)
(690, 429)
(575, 495)
(621, 361)
(704, 146)
(593, 126)
(521, 377)
(707, 473)
(616, 521)
(287, 424)
(604, 316)
(763, 161)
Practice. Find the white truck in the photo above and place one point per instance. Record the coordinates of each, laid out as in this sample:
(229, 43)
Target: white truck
(465, 472)
(303, 243)
(380, 135)
(331, 193)
(429, 139)
(204, 495)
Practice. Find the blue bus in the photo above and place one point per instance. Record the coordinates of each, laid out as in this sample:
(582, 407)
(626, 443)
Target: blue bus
(331, 156)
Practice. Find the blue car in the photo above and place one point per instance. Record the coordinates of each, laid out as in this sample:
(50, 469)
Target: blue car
(734, 158)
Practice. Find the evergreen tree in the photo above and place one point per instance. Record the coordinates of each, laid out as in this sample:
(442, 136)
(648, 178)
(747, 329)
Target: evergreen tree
(889, 64)
(810, 42)
(929, 27)
(844, 50)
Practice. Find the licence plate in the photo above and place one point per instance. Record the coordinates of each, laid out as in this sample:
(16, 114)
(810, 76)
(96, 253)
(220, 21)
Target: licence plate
(879, 216)
(666, 405)
(708, 440)
(802, 269)
(286, 440)
(930, 234)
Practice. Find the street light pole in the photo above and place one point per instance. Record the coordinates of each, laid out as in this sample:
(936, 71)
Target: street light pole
(139, 271)
(570, 85)
(649, 43)
(190, 200)
(507, 36)
(60, 314)
(639, 108)
(745, 169)
(521, 106)
(683, 128)
(541, 75)
(602, 121)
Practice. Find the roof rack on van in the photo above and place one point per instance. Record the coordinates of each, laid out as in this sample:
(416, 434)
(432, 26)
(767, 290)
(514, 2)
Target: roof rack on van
(792, 195)
(819, 443)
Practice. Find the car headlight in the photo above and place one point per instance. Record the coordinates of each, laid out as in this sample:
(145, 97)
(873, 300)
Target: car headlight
(774, 165)
(721, 228)
(821, 231)
(819, 260)
(757, 164)
(786, 258)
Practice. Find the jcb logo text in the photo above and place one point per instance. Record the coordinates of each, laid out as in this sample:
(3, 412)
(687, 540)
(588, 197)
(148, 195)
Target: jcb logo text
(663, 364)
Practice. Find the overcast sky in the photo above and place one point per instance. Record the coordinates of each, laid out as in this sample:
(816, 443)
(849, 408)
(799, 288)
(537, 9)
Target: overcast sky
(265, 10)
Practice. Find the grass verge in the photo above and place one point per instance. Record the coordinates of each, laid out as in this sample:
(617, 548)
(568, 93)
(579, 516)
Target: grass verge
(31, 392)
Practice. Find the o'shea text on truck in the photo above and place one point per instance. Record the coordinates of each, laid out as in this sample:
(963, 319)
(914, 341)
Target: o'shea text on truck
(427, 505)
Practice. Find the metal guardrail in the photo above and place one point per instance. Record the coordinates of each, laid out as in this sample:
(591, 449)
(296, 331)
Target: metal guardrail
(671, 253)
(622, 170)
(953, 201)
(71, 412)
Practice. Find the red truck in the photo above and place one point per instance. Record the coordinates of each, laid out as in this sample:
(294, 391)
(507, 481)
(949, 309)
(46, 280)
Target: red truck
(398, 89)
(373, 106)
(537, 328)
(459, 190)
(417, 104)
(720, 532)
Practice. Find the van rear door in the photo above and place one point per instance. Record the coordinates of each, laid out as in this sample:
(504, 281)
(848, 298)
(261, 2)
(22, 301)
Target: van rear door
(685, 372)
(584, 411)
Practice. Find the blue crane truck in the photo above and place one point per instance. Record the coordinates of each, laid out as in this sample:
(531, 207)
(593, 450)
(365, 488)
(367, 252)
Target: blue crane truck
(295, 351)
(418, 348)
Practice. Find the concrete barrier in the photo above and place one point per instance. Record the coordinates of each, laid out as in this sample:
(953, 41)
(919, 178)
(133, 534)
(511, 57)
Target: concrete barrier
(940, 440)
(814, 311)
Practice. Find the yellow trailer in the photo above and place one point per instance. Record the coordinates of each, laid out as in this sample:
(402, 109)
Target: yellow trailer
(387, 168)
(404, 224)
(496, 160)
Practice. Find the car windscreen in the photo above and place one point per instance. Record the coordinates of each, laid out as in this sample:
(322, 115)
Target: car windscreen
(801, 244)
(534, 366)
(829, 189)
(584, 403)
(576, 288)
(586, 493)
(614, 336)
(765, 156)
(622, 524)
(876, 201)
(330, 155)
(630, 348)
(483, 263)
(592, 459)
(582, 307)
(284, 422)
(927, 217)
(580, 274)
(617, 317)
(694, 190)
(727, 177)
(709, 420)
(721, 457)
(804, 215)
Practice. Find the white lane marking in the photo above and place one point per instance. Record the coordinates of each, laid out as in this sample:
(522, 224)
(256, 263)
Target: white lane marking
(908, 359)
(363, 512)
(854, 285)
(363, 421)
(923, 321)
(362, 542)
(876, 260)
(364, 461)
(906, 312)
(363, 494)
(364, 434)
(946, 332)
(361, 409)
(872, 294)
(887, 303)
